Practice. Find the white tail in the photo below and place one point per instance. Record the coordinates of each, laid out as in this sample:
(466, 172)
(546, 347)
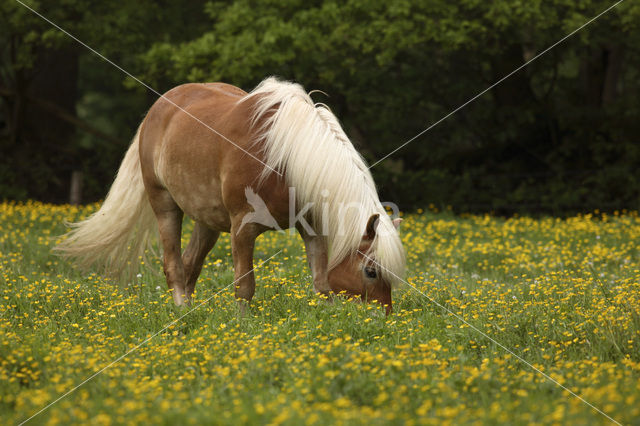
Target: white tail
(114, 237)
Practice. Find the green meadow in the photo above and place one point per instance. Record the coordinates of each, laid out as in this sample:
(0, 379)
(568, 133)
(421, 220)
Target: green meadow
(562, 295)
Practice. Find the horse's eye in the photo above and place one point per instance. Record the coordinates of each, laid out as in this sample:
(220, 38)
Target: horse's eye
(370, 272)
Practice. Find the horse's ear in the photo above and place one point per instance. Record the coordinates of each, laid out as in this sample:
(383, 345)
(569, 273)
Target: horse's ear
(396, 222)
(370, 230)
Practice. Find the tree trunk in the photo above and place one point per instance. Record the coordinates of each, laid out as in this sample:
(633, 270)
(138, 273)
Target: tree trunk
(516, 89)
(52, 139)
(602, 70)
(613, 71)
(75, 192)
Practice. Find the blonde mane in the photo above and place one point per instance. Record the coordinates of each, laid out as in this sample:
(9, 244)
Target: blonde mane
(306, 142)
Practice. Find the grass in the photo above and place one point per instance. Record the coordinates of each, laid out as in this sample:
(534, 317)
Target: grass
(564, 294)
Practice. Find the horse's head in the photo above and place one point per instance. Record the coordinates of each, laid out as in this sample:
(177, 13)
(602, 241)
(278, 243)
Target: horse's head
(359, 276)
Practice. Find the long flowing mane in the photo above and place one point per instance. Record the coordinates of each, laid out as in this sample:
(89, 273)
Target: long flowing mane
(306, 142)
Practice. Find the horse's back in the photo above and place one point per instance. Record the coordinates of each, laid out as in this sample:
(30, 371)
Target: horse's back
(189, 140)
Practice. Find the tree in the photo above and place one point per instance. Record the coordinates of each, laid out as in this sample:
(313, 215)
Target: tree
(394, 67)
(62, 108)
(560, 134)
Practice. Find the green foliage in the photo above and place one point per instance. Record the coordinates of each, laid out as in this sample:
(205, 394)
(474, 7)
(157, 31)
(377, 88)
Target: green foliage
(39, 63)
(393, 68)
(559, 135)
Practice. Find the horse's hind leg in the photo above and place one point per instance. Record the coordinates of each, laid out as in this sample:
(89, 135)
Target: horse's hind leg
(202, 241)
(243, 239)
(169, 218)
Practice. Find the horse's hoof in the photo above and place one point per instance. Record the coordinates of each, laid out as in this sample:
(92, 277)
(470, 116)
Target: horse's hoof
(243, 307)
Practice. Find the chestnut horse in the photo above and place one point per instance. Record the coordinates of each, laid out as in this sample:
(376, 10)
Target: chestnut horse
(219, 154)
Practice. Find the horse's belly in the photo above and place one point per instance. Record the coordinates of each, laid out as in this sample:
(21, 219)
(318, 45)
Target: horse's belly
(205, 207)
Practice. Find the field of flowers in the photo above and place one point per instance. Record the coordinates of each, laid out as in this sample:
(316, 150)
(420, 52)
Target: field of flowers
(563, 294)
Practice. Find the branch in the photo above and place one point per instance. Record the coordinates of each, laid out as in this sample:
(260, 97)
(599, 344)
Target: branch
(63, 115)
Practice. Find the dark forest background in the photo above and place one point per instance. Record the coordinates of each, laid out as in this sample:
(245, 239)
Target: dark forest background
(559, 136)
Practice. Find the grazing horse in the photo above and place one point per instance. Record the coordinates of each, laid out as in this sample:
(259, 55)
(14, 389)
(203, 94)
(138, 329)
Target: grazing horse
(243, 163)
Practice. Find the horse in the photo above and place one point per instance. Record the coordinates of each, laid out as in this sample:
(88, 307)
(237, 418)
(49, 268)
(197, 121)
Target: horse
(219, 154)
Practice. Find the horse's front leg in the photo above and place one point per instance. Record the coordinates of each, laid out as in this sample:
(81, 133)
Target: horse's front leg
(316, 248)
(243, 239)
